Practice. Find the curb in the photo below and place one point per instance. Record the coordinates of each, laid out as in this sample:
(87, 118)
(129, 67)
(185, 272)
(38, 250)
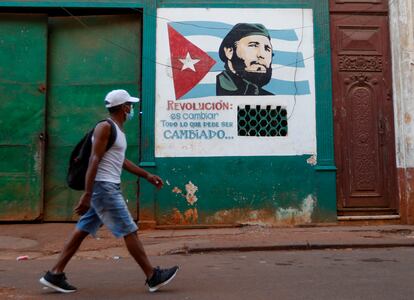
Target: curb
(299, 247)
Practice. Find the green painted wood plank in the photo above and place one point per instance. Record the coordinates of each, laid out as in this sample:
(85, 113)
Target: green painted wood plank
(86, 61)
(22, 108)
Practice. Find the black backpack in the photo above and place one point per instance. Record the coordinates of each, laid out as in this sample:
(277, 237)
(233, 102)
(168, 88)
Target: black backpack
(79, 158)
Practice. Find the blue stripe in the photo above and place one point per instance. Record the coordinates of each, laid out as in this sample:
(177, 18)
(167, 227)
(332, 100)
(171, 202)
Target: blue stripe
(289, 59)
(219, 29)
(201, 90)
(283, 87)
(188, 28)
(282, 58)
(275, 86)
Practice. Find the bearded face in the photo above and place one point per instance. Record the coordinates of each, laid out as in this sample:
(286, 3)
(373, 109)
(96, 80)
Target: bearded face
(252, 59)
(258, 78)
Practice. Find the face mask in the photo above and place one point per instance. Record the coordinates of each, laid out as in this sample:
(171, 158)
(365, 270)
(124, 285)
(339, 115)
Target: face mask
(131, 114)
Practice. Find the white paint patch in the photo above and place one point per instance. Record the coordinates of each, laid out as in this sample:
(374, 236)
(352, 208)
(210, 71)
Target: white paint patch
(302, 214)
(191, 189)
(312, 160)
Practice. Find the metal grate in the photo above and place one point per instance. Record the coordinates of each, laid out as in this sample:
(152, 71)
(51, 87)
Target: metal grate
(258, 121)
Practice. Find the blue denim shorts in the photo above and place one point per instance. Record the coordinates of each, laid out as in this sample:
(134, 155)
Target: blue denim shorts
(108, 207)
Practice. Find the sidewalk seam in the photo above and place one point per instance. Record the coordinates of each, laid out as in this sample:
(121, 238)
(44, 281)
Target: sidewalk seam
(301, 247)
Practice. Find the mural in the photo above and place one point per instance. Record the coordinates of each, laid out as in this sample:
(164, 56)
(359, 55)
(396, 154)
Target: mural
(236, 88)
(247, 55)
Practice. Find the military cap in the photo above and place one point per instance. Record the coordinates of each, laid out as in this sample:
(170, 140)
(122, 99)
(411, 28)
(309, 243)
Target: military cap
(238, 32)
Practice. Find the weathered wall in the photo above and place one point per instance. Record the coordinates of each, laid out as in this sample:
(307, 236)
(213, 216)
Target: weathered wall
(278, 180)
(402, 45)
(271, 185)
(277, 191)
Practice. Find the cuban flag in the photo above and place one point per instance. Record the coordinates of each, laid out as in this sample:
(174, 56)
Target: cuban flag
(196, 63)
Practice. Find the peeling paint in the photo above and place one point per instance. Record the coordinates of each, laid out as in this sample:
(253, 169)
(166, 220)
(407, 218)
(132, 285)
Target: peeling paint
(312, 160)
(176, 190)
(190, 189)
(407, 118)
(302, 215)
(190, 216)
(267, 217)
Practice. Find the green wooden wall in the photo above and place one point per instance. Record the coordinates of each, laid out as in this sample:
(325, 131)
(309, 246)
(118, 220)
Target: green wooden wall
(231, 189)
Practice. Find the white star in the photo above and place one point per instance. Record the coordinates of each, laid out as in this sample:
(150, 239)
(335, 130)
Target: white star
(188, 62)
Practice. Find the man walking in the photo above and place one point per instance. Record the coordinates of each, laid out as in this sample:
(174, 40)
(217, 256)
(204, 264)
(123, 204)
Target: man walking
(103, 203)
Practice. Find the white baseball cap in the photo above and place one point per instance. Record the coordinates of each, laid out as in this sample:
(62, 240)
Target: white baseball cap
(118, 97)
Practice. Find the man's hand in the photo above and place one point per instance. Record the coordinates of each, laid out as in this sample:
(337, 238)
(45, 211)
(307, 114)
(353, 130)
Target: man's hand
(155, 180)
(134, 169)
(83, 204)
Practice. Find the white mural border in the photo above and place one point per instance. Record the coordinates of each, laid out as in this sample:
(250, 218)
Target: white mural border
(202, 124)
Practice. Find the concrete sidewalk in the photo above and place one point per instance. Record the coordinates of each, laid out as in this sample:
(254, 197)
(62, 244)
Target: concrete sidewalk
(44, 241)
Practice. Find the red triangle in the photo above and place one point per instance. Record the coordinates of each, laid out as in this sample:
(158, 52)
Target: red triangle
(185, 79)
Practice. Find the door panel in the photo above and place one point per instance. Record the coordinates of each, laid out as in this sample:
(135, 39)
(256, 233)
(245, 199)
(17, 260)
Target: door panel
(363, 113)
(88, 57)
(22, 105)
(366, 173)
(365, 6)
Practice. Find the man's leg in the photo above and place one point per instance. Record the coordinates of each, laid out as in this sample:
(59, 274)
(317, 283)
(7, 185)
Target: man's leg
(114, 213)
(70, 248)
(157, 277)
(55, 278)
(137, 251)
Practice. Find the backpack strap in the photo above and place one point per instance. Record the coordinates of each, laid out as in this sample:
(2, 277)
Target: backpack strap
(112, 137)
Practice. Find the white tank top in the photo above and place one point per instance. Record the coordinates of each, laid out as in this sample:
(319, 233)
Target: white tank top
(110, 166)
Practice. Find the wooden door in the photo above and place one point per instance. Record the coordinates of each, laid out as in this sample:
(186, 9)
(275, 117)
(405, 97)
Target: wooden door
(22, 106)
(88, 56)
(363, 108)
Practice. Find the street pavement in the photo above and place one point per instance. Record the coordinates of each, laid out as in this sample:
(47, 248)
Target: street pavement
(377, 274)
(253, 262)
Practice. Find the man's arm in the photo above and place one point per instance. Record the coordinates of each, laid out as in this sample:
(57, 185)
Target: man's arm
(134, 169)
(101, 136)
